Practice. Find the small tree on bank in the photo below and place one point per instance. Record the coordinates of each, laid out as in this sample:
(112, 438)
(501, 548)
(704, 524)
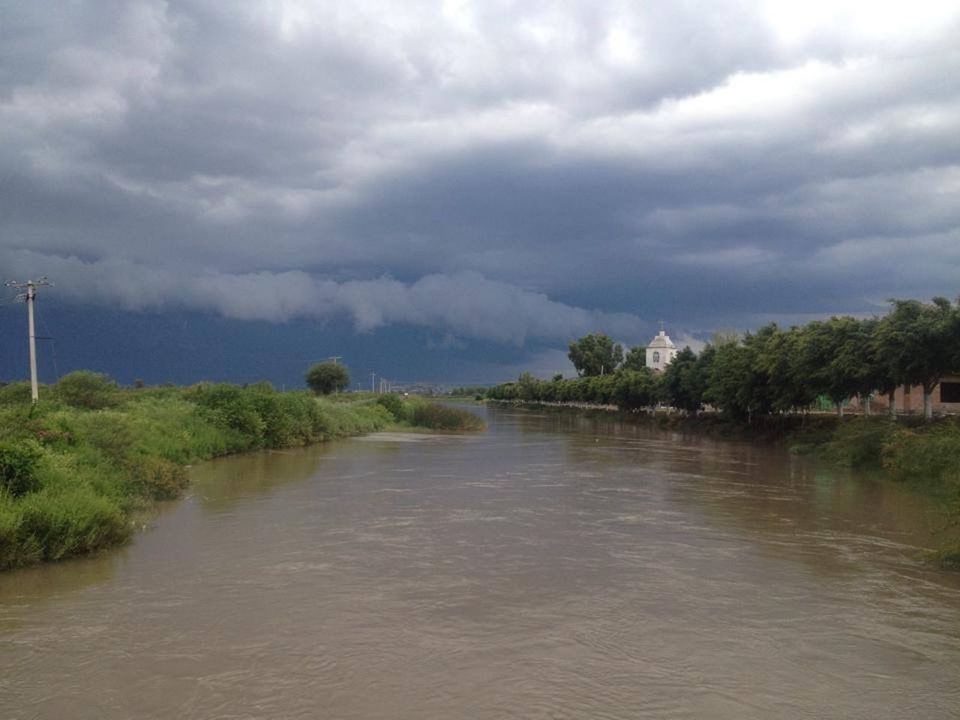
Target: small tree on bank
(327, 377)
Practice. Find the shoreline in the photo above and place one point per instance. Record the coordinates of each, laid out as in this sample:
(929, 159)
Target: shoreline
(78, 470)
(921, 456)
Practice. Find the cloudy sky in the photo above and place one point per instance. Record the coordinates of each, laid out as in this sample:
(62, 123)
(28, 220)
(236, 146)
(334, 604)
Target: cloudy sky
(473, 184)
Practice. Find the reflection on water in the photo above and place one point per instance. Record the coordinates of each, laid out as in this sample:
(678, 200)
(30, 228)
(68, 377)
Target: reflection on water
(226, 482)
(557, 566)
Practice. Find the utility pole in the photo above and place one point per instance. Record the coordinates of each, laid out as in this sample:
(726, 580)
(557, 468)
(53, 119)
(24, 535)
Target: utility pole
(373, 387)
(31, 292)
(334, 358)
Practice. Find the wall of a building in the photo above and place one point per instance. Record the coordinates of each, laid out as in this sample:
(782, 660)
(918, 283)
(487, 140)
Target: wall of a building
(909, 400)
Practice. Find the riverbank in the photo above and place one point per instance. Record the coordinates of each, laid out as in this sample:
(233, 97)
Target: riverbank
(76, 468)
(924, 456)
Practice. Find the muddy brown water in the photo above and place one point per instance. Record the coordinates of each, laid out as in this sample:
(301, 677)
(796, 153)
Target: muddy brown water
(556, 566)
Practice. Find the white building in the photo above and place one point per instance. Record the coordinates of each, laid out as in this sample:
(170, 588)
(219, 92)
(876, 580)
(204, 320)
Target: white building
(660, 352)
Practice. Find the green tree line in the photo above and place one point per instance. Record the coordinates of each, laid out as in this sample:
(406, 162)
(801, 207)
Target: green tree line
(769, 371)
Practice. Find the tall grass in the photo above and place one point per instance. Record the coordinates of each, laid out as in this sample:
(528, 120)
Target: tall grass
(444, 417)
(859, 441)
(75, 468)
(926, 455)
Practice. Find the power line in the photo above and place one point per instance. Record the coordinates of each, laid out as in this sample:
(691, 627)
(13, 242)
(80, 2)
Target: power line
(53, 345)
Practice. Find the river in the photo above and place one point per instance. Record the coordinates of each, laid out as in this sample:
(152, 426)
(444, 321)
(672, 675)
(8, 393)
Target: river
(555, 566)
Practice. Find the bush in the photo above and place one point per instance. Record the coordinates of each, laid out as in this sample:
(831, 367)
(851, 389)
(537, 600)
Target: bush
(52, 527)
(9, 534)
(88, 390)
(395, 406)
(926, 455)
(859, 442)
(17, 393)
(18, 466)
(157, 478)
(231, 407)
(111, 433)
(444, 417)
(290, 418)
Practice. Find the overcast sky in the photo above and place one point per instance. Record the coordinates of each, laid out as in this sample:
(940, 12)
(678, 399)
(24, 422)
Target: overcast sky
(505, 173)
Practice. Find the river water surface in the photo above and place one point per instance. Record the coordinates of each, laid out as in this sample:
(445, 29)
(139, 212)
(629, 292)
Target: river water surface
(556, 566)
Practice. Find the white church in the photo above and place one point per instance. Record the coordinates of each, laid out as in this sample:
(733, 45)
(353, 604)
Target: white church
(660, 352)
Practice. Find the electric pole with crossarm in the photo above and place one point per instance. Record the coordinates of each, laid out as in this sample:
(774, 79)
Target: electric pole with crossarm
(30, 292)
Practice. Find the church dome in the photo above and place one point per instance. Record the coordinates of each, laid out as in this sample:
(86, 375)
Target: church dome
(662, 340)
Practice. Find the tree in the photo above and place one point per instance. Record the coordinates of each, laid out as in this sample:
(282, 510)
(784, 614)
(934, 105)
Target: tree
(635, 389)
(780, 359)
(737, 382)
(920, 341)
(636, 359)
(882, 369)
(834, 359)
(530, 387)
(595, 354)
(726, 378)
(684, 382)
(327, 377)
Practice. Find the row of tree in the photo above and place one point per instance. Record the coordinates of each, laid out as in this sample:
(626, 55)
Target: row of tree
(771, 370)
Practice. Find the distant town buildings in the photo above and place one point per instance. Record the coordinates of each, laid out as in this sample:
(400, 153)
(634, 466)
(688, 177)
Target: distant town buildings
(660, 352)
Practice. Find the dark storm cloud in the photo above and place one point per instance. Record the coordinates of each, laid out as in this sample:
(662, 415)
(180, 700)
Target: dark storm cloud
(492, 170)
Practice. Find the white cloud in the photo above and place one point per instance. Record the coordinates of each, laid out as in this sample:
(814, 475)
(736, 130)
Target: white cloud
(464, 304)
(483, 147)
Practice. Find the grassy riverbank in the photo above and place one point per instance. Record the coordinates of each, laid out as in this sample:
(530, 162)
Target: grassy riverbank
(924, 456)
(75, 469)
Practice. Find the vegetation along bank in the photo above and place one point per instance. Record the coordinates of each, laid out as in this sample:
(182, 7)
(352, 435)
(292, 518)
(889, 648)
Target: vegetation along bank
(771, 384)
(76, 468)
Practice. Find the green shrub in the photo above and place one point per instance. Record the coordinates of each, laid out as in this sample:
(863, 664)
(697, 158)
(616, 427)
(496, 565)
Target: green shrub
(157, 478)
(395, 406)
(339, 419)
(859, 441)
(18, 467)
(111, 433)
(290, 418)
(231, 407)
(52, 527)
(52, 428)
(17, 393)
(443, 417)
(9, 534)
(88, 390)
(925, 455)
(179, 431)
